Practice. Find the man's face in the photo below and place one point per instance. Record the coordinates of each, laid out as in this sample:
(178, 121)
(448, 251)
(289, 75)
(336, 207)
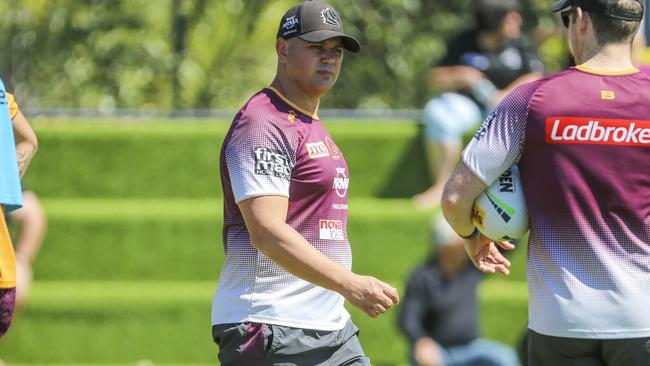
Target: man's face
(313, 67)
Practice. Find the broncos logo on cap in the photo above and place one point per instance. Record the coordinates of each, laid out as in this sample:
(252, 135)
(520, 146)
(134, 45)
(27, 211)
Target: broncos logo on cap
(330, 17)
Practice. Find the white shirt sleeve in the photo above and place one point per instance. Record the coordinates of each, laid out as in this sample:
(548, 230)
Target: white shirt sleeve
(499, 141)
(260, 160)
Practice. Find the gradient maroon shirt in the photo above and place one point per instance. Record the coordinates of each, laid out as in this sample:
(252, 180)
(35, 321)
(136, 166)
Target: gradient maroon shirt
(581, 139)
(274, 147)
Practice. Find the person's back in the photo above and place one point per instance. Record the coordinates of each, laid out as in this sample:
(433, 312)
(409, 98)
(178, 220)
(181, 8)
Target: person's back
(584, 172)
(581, 141)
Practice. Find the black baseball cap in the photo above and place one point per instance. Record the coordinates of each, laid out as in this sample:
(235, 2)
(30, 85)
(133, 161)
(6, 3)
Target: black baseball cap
(489, 14)
(604, 7)
(315, 21)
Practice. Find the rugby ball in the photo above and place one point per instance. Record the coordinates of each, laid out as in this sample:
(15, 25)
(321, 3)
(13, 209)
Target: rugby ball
(500, 212)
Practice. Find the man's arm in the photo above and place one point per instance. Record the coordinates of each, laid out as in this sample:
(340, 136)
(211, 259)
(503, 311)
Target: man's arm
(462, 188)
(265, 218)
(452, 78)
(33, 224)
(26, 142)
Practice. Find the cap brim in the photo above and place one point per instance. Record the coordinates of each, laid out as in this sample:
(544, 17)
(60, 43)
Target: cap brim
(349, 43)
(561, 5)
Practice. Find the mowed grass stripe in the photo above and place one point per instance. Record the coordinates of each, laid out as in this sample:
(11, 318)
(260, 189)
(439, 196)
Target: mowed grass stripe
(133, 208)
(73, 293)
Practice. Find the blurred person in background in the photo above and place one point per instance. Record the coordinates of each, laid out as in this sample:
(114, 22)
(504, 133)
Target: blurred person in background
(17, 147)
(480, 66)
(439, 313)
(27, 227)
(581, 140)
(285, 184)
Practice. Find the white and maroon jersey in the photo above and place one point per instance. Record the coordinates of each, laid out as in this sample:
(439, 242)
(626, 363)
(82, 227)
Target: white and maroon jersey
(581, 139)
(275, 148)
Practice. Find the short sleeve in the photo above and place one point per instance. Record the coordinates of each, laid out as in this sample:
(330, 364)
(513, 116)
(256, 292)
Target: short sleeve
(13, 106)
(260, 156)
(499, 141)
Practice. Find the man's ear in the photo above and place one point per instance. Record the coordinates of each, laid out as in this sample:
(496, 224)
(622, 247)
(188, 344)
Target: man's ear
(581, 19)
(281, 47)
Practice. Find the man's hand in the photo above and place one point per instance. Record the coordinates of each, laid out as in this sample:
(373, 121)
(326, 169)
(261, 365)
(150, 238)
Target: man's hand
(486, 257)
(427, 352)
(370, 295)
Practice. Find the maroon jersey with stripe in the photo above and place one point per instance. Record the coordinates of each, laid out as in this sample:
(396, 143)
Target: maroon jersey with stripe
(275, 148)
(581, 139)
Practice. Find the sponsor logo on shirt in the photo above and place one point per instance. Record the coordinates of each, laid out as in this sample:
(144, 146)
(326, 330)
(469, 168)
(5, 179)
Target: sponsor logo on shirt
(334, 150)
(482, 131)
(340, 206)
(317, 150)
(291, 117)
(271, 162)
(341, 183)
(607, 95)
(580, 130)
(331, 229)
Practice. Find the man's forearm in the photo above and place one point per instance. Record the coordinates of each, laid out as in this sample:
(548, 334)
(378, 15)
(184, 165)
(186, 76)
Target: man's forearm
(26, 142)
(24, 153)
(458, 199)
(286, 247)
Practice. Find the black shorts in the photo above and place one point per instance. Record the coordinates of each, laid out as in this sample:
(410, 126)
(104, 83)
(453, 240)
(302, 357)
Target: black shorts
(257, 344)
(546, 350)
(7, 304)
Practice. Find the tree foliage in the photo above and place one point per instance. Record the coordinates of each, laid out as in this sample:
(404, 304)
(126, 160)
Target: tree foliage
(167, 54)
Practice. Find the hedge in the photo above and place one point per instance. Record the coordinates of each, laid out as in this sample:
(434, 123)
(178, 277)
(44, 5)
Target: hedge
(164, 159)
(181, 239)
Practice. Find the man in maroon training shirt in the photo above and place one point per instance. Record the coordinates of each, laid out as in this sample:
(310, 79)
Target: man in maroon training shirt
(581, 139)
(285, 183)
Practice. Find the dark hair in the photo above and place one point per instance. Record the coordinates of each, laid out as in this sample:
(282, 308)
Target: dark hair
(614, 30)
(490, 13)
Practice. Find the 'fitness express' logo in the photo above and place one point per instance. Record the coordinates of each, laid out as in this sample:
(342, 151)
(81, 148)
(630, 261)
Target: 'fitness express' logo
(270, 162)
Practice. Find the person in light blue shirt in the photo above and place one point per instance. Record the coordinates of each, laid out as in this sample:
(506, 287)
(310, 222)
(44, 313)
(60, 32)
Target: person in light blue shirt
(18, 144)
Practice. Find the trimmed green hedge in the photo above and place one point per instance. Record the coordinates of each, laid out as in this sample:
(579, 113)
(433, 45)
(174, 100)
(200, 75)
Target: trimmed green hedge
(161, 159)
(181, 239)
